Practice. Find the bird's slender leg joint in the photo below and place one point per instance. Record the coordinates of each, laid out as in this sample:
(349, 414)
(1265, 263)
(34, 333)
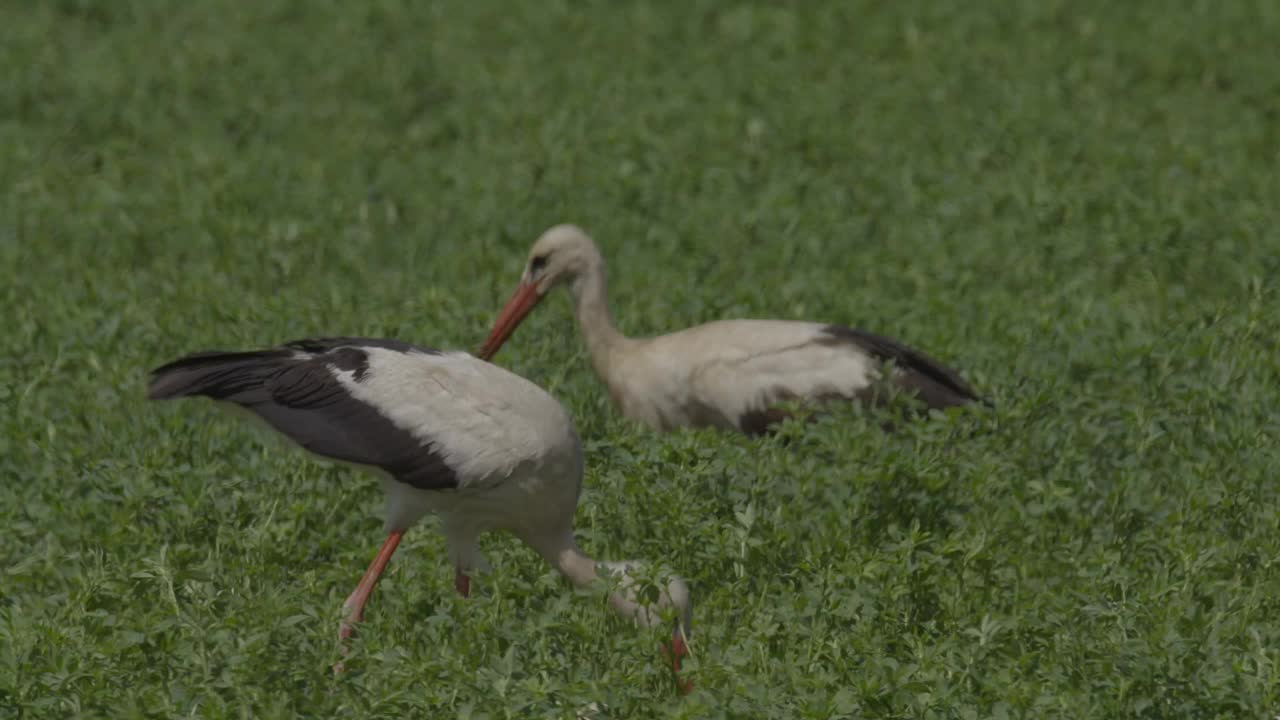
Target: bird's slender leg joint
(462, 582)
(355, 603)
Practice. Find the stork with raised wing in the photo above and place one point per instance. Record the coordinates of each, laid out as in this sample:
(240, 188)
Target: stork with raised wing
(482, 447)
(727, 374)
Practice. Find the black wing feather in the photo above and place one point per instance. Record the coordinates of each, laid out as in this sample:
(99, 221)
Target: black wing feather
(294, 389)
(938, 385)
(327, 344)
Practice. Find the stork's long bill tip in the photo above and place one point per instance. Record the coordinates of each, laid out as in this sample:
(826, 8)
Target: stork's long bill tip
(522, 301)
(674, 652)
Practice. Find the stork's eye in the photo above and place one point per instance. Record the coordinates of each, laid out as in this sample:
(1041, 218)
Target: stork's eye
(537, 263)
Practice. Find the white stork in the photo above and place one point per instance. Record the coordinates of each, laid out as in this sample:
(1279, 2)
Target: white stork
(484, 448)
(727, 374)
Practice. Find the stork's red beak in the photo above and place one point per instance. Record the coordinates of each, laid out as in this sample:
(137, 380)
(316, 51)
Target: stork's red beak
(674, 652)
(521, 303)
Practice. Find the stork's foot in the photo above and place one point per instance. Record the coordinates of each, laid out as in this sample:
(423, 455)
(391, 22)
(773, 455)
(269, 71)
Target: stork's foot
(346, 631)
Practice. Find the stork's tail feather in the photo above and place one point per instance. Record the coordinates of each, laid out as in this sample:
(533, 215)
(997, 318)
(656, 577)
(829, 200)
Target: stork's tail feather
(219, 375)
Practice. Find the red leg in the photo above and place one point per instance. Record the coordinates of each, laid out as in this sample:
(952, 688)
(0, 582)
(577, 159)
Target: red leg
(462, 582)
(360, 596)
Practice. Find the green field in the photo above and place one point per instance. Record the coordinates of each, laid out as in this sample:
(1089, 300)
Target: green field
(1075, 203)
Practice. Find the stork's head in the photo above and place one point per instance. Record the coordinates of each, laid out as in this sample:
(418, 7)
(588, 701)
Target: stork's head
(651, 602)
(564, 253)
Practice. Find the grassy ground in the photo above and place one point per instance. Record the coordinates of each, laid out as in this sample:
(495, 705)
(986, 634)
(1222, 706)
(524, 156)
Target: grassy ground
(1074, 202)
